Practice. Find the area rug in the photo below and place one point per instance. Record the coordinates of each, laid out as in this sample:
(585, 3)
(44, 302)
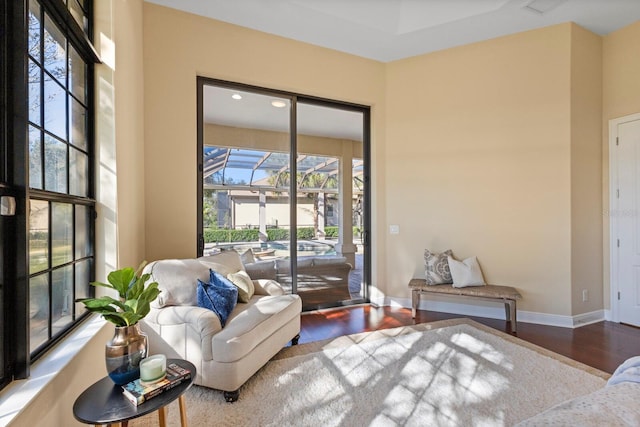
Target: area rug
(447, 373)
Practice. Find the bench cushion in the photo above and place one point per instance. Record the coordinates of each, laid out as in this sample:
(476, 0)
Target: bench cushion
(487, 291)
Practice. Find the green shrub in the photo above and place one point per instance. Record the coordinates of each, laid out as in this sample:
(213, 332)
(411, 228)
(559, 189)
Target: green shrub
(305, 233)
(226, 236)
(277, 234)
(212, 235)
(331, 232)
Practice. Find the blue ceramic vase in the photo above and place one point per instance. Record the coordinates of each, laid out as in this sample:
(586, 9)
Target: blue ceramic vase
(124, 352)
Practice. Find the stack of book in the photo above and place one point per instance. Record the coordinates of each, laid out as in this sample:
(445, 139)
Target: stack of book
(138, 392)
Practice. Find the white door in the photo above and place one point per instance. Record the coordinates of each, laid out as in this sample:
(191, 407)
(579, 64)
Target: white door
(628, 221)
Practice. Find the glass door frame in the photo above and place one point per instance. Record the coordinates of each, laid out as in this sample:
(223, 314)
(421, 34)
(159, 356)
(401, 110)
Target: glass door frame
(293, 191)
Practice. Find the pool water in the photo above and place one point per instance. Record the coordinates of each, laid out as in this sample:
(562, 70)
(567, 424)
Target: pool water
(280, 248)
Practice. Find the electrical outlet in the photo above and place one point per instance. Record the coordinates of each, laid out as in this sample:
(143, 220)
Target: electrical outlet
(585, 295)
(394, 229)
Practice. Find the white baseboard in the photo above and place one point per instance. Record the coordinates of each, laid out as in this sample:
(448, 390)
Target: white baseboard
(493, 310)
(608, 315)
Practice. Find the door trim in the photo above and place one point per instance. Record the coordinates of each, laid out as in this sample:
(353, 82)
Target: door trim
(613, 218)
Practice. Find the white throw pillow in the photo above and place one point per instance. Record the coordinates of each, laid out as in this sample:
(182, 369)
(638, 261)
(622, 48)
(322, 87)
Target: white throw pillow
(466, 273)
(244, 284)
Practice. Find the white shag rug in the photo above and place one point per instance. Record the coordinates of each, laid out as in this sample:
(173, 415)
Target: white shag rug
(448, 373)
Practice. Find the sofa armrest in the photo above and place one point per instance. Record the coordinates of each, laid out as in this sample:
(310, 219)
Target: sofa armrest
(267, 287)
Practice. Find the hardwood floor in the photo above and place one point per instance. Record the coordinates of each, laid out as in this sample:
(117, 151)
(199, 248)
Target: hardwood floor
(602, 345)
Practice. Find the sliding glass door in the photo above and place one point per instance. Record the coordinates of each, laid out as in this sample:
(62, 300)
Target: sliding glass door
(304, 232)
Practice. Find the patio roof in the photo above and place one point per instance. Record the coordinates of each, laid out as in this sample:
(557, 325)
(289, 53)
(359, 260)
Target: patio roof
(242, 168)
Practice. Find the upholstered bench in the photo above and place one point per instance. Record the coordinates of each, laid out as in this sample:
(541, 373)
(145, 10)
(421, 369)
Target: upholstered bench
(506, 294)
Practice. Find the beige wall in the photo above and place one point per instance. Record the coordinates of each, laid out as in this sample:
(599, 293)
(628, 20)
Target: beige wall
(586, 170)
(500, 133)
(621, 97)
(480, 135)
(178, 47)
(129, 113)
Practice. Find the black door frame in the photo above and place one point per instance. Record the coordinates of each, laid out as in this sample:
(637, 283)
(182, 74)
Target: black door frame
(201, 82)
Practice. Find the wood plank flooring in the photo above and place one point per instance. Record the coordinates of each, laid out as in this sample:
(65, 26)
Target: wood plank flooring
(602, 345)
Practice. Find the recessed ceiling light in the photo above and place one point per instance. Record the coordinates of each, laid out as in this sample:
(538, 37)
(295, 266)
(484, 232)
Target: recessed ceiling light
(236, 96)
(278, 104)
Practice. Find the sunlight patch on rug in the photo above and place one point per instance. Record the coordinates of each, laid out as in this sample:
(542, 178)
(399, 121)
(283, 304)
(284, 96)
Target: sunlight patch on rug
(449, 376)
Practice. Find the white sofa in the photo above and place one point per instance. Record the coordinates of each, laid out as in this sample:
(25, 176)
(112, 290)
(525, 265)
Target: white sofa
(227, 357)
(615, 405)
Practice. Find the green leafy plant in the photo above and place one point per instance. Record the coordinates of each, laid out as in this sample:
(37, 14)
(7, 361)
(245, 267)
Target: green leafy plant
(135, 298)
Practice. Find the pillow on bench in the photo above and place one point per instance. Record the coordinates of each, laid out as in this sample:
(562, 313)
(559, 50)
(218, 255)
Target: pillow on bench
(465, 273)
(437, 267)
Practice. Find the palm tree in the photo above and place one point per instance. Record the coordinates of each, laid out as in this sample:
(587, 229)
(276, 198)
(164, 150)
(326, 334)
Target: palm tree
(313, 181)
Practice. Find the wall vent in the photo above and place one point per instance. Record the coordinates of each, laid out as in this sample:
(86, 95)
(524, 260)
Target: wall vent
(543, 6)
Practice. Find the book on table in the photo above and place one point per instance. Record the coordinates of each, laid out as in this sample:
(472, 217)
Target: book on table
(138, 392)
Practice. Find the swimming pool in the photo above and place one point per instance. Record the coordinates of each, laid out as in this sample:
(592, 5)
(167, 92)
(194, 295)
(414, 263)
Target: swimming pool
(279, 248)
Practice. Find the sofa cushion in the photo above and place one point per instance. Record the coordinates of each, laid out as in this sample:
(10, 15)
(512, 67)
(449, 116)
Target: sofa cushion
(177, 279)
(224, 262)
(242, 281)
(283, 265)
(247, 257)
(261, 269)
(267, 287)
(329, 260)
(252, 323)
(218, 295)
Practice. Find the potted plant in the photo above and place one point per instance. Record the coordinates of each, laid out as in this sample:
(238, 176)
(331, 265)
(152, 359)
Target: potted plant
(129, 345)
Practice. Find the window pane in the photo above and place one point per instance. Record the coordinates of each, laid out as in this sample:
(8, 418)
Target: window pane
(38, 311)
(78, 71)
(78, 124)
(35, 93)
(34, 30)
(38, 236)
(55, 111)
(83, 276)
(55, 165)
(61, 233)
(76, 8)
(62, 298)
(35, 158)
(78, 173)
(83, 248)
(55, 55)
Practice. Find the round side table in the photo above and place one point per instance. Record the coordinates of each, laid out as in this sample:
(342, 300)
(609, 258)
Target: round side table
(103, 402)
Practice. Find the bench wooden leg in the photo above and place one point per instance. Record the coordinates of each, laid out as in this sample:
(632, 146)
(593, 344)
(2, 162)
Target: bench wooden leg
(510, 313)
(415, 302)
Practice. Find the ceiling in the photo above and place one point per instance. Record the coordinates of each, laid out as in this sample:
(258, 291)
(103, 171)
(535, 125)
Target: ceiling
(256, 111)
(387, 30)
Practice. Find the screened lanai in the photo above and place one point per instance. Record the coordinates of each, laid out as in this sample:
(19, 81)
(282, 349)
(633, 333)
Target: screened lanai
(271, 170)
(250, 205)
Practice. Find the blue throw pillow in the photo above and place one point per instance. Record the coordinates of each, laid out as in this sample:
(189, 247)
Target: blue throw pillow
(219, 296)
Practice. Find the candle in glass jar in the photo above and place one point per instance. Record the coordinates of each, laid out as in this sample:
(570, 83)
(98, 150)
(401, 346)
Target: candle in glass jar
(153, 368)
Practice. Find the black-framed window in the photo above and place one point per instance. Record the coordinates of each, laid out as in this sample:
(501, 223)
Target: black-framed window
(48, 150)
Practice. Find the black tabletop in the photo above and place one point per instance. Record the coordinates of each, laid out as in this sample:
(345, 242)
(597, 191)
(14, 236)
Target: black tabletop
(103, 402)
